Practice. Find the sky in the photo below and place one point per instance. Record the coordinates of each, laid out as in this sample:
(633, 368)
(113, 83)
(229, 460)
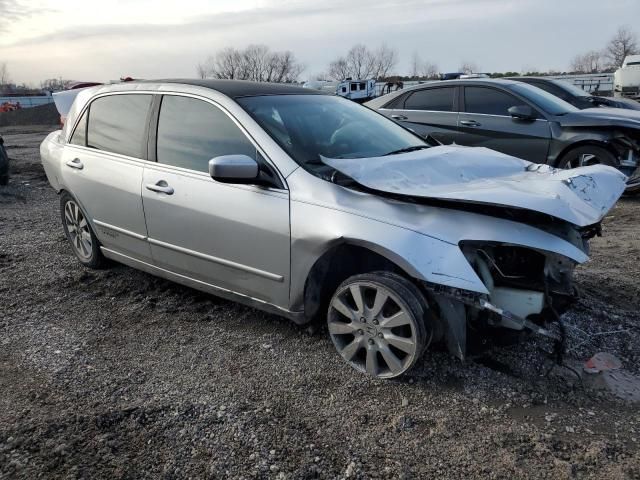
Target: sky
(104, 40)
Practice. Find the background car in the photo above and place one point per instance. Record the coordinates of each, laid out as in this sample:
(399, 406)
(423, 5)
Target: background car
(575, 95)
(520, 120)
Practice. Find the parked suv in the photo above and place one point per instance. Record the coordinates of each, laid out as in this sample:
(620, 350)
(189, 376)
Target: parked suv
(313, 207)
(575, 95)
(520, 120)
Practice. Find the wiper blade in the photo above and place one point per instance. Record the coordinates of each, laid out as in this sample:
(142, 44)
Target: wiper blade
(407, 149)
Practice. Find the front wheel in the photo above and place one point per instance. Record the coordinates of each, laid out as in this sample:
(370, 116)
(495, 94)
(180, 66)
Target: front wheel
(587, 155)
(379, 323)
(79, 233)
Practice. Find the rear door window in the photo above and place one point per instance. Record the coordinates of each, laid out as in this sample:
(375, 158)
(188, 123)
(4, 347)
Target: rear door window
(191, 132)
(79, 136)
(118, 124)
(488, 101)
(433, 99)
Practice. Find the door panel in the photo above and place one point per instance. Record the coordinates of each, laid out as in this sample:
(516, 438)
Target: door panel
(485, 122)
(231, 236)
(443, 126)
(528, 140)
(429, 111)
(106, 179)
(108, 189)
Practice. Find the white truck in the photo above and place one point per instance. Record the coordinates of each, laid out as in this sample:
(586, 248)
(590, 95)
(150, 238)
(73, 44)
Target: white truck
(626, 80)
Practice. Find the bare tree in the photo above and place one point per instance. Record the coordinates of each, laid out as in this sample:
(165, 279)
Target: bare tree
(416, 64)
(339, 69)
(54, 84)
(423, 69)
(589, 62)
(4, 74)
(201, 70)
(623, 43)
(384, 59)
(256, 62)
(361, 62)
(468, 67)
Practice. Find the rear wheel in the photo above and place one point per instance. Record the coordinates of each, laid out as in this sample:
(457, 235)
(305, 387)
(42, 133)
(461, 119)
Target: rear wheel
(378, 323)
(587, 155)
(79, 233)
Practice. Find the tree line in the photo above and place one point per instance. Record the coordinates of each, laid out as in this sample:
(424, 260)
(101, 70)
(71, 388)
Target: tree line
(610, 58)
(259, 63)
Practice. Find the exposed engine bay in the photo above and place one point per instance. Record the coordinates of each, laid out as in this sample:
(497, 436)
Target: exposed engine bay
(527, 289)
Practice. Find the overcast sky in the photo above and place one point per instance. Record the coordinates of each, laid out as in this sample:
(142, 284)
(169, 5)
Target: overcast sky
(103, 40)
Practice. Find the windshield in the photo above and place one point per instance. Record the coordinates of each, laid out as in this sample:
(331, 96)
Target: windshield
(544, 100)
(571, 88)
(309, 127)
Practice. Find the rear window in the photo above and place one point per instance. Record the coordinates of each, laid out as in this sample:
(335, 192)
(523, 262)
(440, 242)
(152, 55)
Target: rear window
(433, 99)
(79, 136)
(118, 123)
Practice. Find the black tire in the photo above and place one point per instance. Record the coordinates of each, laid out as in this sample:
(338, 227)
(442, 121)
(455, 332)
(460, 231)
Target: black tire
(4, 164)
(587, 155)
(86, 250)
(368, 340)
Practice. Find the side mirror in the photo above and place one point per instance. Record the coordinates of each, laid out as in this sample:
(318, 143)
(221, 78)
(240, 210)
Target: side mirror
(234, 169)
(522, 112)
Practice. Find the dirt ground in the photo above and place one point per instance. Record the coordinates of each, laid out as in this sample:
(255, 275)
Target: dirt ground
(117, 374)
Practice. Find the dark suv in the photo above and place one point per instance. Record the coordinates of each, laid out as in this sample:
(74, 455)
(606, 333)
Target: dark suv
(577, 96)
(519, 120)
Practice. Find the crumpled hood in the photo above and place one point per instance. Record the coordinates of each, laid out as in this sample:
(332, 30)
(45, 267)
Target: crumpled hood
(581, 196)
(601, 117)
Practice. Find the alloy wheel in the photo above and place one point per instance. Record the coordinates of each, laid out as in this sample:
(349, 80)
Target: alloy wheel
(78, 229)
(583, 160)
(373, 329)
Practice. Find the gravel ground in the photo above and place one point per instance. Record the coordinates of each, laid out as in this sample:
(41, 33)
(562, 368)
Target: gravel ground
(117, 374)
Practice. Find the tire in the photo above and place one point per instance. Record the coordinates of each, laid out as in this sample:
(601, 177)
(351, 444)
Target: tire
(587, 155)
(4, 164)
(383, 332)
(85, 245)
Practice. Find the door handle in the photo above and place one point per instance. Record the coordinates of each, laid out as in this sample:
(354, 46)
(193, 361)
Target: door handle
(399, 117)
(469, 123)
(75, 163)
(160, 187)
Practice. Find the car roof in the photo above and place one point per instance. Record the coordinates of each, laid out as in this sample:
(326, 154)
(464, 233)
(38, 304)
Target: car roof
(542, 79)
(378, 102)
(241, 88)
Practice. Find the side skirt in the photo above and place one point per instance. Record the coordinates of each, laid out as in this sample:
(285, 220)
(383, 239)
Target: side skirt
(296, 317)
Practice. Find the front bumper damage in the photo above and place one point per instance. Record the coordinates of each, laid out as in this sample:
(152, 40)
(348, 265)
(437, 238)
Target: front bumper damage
(528, 300)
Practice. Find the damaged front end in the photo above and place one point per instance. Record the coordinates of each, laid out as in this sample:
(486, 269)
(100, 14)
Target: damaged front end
(515, 232)
(527, 290)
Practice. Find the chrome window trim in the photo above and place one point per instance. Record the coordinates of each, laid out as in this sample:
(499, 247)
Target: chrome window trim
(501, 116)
(182, 94)
(412, 110)
(198, 175)
(118, 157)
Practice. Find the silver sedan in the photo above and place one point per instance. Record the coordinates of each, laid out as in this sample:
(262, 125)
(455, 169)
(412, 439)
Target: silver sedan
(319, 209)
